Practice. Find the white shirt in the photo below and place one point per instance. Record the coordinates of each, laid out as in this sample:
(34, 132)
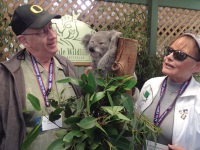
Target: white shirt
(186, 127)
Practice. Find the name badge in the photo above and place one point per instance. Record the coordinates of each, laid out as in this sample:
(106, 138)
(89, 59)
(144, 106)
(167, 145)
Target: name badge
(155, 146)
(48, 125)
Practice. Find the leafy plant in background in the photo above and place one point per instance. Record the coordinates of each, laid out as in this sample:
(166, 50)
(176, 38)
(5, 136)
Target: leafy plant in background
(135, 27)
(102, 118)
(147, 66)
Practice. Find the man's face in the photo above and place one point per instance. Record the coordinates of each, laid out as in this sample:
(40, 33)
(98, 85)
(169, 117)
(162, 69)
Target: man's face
(41, 42)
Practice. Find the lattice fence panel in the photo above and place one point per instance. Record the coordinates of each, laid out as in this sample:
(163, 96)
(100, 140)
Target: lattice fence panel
(131, 19)
(173, 22)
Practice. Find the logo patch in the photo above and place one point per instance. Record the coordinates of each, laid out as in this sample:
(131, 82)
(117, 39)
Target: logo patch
(146, 94)
(36, 9)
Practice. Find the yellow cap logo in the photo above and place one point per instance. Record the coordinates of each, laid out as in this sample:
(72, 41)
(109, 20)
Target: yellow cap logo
(36, 9)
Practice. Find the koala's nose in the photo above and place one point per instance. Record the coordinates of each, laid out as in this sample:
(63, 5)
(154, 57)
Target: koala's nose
(91, 49)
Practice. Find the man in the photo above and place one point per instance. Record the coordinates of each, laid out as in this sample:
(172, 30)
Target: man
(32, 70)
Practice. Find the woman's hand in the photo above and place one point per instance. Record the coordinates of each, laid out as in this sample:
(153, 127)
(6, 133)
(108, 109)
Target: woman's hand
(87, 70)
(173, 147)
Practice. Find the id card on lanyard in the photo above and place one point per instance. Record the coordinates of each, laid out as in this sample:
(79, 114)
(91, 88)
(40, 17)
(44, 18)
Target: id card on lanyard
(46, 124)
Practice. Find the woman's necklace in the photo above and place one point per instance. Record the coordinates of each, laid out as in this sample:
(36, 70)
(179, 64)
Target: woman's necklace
(171, 92)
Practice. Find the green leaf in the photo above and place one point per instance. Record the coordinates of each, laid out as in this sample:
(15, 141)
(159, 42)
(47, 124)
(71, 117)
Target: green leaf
(68, 111)
(87, 99)
(87, 123)
(101, 82)
(127, 101)
(58, 144)
(31, 136)
(90, 133)
(123, 143)
(79, 106)
(111, 88)
(69, 136)
(97, 96)
(100, 127)
(94, 144)
(121, 116)
(72, 120)
(60, 133)
(120, 77)
(84, 78)
(58, 111)
(65, 80)
(69, 79)
(88, 89)
(91, 80)
(110, 99)
(112, 131)
(112, 110)
(80, 146)
(112, 83)
(34, 101)
(55, 115)
(53, 103)
(129, 84)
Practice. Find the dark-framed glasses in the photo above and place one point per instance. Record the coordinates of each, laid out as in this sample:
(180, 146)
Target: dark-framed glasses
(177, 54)
(44, 31)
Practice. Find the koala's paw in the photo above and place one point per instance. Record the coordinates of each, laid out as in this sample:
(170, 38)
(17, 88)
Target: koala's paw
(101, 66)
(114, 40)
(115, 36)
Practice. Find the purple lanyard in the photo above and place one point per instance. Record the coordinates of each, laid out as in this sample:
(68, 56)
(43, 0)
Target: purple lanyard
(40, 81)
(157, 118)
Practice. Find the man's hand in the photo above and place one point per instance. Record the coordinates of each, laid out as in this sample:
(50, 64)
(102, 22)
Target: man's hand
(173, 147)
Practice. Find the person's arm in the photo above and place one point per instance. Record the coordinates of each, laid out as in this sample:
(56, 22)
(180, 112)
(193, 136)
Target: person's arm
(173, 147)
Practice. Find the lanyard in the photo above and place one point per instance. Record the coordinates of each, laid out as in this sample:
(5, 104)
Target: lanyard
(44, 92)
(157, 118)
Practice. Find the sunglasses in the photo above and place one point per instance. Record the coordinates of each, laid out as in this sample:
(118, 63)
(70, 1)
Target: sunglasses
(177, 54)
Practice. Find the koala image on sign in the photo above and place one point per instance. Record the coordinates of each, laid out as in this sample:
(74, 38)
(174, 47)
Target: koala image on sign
(102, 47)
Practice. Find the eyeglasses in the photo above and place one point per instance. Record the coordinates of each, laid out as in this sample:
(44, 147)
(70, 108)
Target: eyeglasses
(44, 31)
(177, 54)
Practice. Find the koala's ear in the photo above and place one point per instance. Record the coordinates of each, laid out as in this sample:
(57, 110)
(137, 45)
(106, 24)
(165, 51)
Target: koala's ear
(85, 40)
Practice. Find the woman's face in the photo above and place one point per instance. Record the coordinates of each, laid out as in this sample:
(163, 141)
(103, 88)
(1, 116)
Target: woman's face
(180, 71)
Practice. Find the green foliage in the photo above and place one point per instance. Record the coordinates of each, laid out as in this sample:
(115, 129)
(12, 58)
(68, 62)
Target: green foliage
(134, 26)
(147, 66)
(31, 136)
(103, 118)
(197, 76)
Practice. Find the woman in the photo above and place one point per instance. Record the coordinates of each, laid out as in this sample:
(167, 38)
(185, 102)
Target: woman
(172, 102)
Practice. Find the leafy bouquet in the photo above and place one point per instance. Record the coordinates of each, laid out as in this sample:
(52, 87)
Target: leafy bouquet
(102, 118)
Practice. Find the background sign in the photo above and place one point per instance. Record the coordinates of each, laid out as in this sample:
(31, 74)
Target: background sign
(70, 32)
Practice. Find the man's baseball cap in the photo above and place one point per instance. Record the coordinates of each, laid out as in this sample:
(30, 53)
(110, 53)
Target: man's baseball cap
(30, 16)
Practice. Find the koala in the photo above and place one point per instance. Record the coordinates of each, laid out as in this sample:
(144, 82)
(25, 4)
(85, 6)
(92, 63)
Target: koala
(102, 47)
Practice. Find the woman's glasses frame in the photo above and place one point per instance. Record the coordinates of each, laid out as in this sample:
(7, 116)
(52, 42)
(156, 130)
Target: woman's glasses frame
(177, 54)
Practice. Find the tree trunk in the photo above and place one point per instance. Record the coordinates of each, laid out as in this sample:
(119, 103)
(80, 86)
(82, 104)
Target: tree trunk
(126, 56)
